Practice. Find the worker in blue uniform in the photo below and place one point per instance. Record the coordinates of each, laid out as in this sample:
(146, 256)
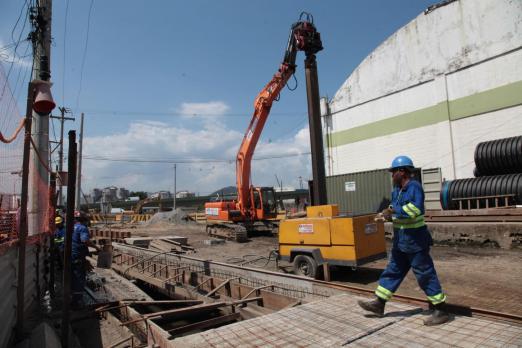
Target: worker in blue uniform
(59, 237)
(411, 245)
(80, 266)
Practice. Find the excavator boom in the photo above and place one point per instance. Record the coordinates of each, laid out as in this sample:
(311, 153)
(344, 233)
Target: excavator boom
(255, 208)
(303, 37)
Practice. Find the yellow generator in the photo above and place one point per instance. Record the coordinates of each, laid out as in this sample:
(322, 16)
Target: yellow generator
(325, 237)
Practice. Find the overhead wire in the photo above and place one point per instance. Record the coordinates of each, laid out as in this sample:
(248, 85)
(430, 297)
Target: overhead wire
(98, 112)
(17, 21)
(187, 160)
(16, 46)
(84, 55)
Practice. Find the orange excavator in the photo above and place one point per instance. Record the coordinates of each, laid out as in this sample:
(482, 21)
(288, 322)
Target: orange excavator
(255, 208)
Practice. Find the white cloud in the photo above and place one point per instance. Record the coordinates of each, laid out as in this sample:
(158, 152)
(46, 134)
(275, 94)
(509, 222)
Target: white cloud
(212, 108)
(158, 140)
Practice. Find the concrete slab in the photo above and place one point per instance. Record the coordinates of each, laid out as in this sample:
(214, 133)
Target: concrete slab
(338, 321)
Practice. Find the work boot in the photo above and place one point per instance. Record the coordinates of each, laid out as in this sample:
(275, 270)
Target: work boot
(376, 306)
(438, 316)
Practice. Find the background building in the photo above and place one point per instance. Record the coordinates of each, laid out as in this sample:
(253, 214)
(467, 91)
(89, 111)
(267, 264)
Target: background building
(446, 81)
(185, 194)
(449, 79)
(123, 194)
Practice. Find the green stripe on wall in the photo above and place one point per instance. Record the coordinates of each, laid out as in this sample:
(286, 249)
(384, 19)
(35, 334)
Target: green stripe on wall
(479, 103)
(419, 118)
(487, 101)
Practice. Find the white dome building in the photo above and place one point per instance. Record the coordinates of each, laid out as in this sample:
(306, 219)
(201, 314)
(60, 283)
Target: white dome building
(449, 79)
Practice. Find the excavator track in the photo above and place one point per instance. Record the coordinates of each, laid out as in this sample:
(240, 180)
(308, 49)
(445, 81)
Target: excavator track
(233, 232)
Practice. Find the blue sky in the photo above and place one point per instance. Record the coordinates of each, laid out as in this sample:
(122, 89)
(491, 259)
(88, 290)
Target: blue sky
(176, 80)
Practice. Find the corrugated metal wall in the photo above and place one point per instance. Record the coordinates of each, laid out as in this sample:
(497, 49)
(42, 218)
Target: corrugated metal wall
(360, 193)
(431, 182)
(8, 281)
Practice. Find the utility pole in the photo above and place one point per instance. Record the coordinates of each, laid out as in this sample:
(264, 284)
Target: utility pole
(62, 118)
(79, 172)
(39, 174)
(174, 200)
(67, 245)
(23, 223)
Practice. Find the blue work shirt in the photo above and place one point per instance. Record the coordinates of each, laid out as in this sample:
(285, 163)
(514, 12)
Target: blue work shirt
(59, 237)
(79, 237)
(410, 231)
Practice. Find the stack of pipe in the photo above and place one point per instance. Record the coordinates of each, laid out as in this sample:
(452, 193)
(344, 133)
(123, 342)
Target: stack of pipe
(498, 172)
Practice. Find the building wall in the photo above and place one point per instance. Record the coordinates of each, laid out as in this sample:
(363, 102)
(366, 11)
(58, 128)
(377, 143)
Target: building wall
(8, 286)
(433, 90)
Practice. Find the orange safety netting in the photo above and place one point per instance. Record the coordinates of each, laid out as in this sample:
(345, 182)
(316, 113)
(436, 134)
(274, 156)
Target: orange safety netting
(11, 155)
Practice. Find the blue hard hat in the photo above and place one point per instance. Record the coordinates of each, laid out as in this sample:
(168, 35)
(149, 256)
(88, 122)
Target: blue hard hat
(402, 162)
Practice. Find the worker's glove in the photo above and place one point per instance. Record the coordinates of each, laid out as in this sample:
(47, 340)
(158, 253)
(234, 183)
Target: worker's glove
(387, 213)
(379, 218)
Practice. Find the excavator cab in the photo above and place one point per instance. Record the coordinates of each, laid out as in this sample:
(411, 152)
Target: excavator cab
(265, 204)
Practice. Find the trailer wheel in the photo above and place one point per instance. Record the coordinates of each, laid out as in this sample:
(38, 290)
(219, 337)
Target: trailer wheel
(305, 265)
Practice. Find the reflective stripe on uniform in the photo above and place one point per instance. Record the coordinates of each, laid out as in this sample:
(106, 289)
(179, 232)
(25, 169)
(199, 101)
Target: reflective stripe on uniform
(408, 211)
(439, 298)
(411, 210)
(383, 293)
(409, 223)
(59, 240)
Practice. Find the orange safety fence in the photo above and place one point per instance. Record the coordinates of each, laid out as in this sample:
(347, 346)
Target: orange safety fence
(11, 155)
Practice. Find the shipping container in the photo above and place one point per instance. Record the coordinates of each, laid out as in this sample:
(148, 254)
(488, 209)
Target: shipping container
(360, 193)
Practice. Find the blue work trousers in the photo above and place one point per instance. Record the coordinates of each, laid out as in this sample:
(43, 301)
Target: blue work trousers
(78, 279)
(421, 264)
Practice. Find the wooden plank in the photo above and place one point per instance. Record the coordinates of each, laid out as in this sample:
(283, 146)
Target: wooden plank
(161, 245)
(186, 302)
(205, 324)
(178, 311)
(162, 268)
(220, 286)
(259, 301)
(183, 246)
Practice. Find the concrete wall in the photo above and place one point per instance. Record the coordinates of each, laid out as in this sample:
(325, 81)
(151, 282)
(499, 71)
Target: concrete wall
(446, 81)
(8, 286)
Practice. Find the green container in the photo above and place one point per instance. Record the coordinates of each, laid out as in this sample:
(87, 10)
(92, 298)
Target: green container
(360, 193)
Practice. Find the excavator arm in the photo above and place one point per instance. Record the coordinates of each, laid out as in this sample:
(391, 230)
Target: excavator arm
(303, 37)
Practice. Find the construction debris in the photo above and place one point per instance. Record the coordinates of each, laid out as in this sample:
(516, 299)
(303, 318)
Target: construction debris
(177, 216)
(144, 242)
(213, 241)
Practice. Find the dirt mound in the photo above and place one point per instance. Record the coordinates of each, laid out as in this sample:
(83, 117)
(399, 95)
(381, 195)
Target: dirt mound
(177, 216)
